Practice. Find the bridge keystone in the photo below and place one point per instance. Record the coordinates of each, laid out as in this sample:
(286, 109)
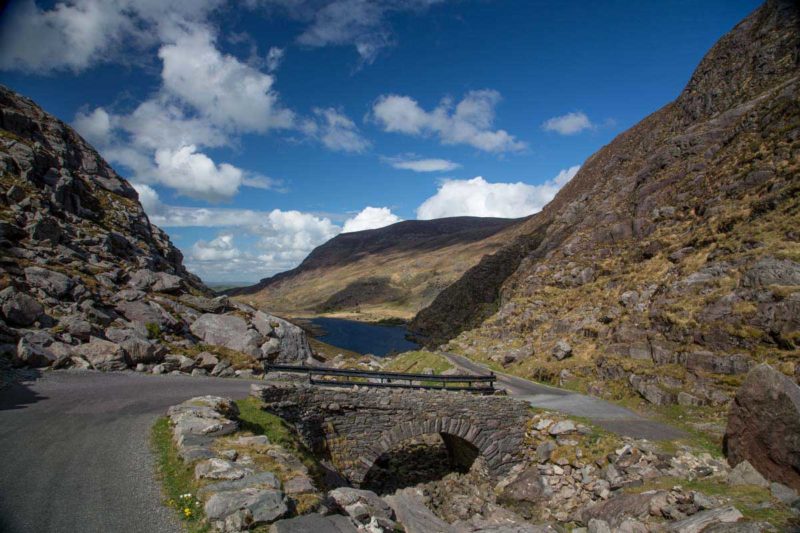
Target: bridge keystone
(370, 422)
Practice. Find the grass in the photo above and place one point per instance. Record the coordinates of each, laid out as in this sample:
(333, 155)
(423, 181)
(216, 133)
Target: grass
(177, 477)
(747, 498)
(254, 419)
(416, 362)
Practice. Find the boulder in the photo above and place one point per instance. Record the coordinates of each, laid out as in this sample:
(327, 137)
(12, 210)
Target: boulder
(615, 510)
(700, 521)
(260, 480)
(245, 509)
(410, 509)
(141, 313)
(53, 283)
(771, 271)
(77, 327)
(206, 361)
(29, 354)
(208, 305)
(528, 486)
(562, 350)
(229, 331)
(103, 355)
(764, 426)
(745, 474)
(217, 468)
(294, 342)
(19, 308)
(361, 505)
(314, 523)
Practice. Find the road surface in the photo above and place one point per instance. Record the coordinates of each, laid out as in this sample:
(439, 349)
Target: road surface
(74, 450)
(605, 414)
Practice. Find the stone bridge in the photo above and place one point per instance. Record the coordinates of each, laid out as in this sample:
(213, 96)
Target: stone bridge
(354, 426)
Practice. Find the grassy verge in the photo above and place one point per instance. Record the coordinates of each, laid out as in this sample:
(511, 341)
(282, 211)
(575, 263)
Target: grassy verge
(177, 478)
(415, 362)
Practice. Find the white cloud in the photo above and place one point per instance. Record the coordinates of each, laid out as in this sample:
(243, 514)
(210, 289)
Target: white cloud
(360, 23)
(194, 174)
(231, 94)
(79, 34)
(417, 164)
(335, 130)
(468, 122)
(274, 58)
(477, 197)
(219, 249)
(568, 124)
(95, 126)
(370, 218)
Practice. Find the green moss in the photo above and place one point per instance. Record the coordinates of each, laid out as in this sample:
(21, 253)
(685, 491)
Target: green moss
(153, 330)
(177, 478)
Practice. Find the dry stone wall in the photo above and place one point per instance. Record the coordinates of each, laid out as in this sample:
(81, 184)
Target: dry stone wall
(354, 426)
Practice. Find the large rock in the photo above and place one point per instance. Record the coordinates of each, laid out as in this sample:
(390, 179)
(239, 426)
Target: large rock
(103, 355)
(700, 521)
(361, 505)
(414, 515)
(764, 426)
(314, 523)
(141, 313)
(294, 347)
(248, 507)
(526, 487)
(615, 510)
(229, 331)
(19, 308)
(29, 354)
(53, 283)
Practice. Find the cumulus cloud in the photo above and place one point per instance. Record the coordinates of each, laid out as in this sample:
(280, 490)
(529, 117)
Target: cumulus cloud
(568, 124)
(205, 100)
(231, 94)
(470, 121)
(358, 23)
(417, 164)
(219, 249)
(95, 126)
(478, 197)
(79, 34)
(335, 131)
(370, 218)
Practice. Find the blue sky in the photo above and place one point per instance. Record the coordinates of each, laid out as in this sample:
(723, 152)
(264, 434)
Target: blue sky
(256, 130)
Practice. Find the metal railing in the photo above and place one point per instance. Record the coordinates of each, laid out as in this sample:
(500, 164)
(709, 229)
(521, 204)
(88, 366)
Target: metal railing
(338, 377)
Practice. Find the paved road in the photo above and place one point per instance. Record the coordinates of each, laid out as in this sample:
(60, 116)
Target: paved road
(74, 450)
(605, 414)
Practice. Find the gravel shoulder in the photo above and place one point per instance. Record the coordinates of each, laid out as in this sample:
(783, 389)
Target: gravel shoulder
(607, 415)
(75, 452)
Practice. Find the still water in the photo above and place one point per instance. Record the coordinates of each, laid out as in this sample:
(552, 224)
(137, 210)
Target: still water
(364, 338)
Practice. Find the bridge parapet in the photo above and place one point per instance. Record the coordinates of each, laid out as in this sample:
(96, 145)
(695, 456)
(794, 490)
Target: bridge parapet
(354, 426)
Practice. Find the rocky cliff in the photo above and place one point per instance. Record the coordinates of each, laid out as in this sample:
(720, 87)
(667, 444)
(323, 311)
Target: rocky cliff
(388, 272)
(668, 265)
(86, 280)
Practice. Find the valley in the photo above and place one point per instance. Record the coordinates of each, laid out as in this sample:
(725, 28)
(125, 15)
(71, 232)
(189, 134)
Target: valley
(635, 342)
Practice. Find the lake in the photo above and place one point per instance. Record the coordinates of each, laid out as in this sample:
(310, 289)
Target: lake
(362, 337)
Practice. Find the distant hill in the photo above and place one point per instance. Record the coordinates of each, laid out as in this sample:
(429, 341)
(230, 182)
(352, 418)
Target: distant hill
(387, 272)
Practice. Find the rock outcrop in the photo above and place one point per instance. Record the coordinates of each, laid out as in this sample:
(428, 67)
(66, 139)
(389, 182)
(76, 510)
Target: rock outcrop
(764, 426)
(668, 263)
(87, 281)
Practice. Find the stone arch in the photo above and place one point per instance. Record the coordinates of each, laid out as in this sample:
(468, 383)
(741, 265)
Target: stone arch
(461, 428)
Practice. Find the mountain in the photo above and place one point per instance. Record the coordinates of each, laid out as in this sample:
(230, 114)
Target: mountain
(388, 272)
(87, 281)
(668, 265)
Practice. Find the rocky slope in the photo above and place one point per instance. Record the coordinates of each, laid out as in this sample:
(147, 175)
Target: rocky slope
(87, 281)
(382, 273)
(670, 264)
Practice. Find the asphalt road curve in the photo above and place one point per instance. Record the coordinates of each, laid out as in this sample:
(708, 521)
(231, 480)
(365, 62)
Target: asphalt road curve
(607, 415)
(74, 450)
